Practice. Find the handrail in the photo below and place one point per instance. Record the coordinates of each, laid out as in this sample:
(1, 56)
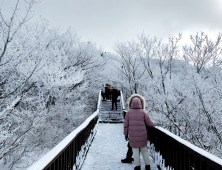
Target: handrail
(122, 101)
(64, 156)
(99, 100)
(179, 154)
(123, 105)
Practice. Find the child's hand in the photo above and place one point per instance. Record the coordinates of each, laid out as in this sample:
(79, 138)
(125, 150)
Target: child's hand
(126, 137)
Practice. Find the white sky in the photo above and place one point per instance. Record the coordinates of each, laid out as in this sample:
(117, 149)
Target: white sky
(108, 21)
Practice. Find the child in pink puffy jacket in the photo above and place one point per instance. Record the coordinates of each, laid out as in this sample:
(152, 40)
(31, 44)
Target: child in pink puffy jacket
(135, 123)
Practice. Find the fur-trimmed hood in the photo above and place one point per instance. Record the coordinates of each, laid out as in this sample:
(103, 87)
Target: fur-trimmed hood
(137, 96)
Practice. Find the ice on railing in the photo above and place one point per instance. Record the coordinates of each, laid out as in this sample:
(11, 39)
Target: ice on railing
(193, 147)
(161, 162)
(40, 164)
(84, 149)
(157, 158)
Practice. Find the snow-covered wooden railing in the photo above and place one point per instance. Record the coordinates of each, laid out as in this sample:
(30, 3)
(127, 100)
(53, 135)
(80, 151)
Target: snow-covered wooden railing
(121, 100)
(70, 153)
(172, 152)
(122, 104)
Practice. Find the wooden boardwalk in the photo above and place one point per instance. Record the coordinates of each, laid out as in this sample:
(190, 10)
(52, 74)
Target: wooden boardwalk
(108, 148)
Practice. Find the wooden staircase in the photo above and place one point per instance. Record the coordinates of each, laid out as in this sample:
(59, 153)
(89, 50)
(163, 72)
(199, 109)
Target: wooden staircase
(107, 115)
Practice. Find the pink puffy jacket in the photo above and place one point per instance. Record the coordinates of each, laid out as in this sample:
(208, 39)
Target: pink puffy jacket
(135, 122)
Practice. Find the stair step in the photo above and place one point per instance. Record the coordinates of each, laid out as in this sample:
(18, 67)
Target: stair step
(108, 115)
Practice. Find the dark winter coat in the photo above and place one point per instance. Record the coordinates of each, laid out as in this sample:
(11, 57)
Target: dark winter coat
(115, 95)
(135, 122)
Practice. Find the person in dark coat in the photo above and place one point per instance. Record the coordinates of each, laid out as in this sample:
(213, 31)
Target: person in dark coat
(115, 95)
(129, 153)
(107, 92)
(110, 92)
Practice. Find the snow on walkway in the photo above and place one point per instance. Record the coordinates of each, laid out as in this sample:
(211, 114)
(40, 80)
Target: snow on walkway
(107, 150)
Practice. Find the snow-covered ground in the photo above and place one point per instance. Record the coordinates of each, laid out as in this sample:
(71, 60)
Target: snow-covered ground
(108, 148)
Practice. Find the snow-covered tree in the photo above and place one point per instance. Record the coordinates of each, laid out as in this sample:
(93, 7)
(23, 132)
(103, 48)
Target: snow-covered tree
(181, 86)
(47, 79)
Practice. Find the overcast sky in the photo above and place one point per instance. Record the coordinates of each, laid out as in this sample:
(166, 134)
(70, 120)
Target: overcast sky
(108, 21)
